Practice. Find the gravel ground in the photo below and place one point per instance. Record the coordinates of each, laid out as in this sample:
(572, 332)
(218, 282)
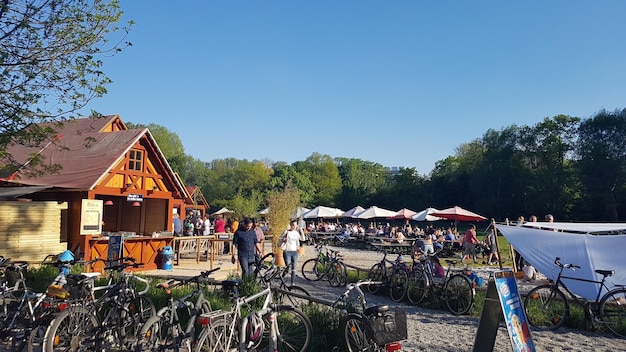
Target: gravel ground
(434, 330)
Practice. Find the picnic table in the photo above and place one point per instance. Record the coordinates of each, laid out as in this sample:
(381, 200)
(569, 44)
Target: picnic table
(403, 248)
(320, 236)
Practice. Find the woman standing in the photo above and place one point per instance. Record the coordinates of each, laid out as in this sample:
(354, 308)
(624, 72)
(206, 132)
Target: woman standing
(469, 243)
(291, 238)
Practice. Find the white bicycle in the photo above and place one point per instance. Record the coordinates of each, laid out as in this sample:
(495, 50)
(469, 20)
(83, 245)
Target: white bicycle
(273, 327)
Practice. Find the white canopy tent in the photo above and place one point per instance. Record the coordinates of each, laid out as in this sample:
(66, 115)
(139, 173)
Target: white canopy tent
(224, 210)
(541, 242)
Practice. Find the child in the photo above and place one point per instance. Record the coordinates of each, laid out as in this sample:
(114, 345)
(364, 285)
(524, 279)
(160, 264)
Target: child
(530, 274)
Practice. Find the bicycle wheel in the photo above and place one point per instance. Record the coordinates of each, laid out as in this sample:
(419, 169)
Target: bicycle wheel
(75, 328)
(309, 271)
(264, 267)
(156, 334)
(293, 301)
(338, 274)
(140, 310)
(344, 273)
(215, 336)
(127, 321)
(458, 294)
(375, 274)
(294, 330)
(398, 285)
(546, 307)
(354, 335)
(613, 311)
(418, 285)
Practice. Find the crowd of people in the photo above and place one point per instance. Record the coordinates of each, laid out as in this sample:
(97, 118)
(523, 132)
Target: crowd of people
(249, 236)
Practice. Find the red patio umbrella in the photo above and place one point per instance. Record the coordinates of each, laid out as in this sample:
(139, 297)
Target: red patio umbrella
(457, 214)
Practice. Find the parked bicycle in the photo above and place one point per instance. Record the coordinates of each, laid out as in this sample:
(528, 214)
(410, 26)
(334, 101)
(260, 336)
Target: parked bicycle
(391, 273)
(547, 307)
(454, 288)
(268, 274)
(373, 328)
(167, 331)
(22, 309)
(108, 319)
(327, 264)
(270, 328)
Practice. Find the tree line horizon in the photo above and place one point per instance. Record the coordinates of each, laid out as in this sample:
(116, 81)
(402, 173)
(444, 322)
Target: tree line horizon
(570, 167)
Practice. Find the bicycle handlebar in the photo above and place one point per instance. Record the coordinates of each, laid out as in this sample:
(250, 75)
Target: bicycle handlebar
(557, 262)
(145, 281)
(194, 279)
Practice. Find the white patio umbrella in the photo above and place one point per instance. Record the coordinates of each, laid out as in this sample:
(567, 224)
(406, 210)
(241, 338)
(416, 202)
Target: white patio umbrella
(299, 212)
(424, 215)
(264, 211)
(350, 213)
(224, 210)
(321, 211)
(374, 212)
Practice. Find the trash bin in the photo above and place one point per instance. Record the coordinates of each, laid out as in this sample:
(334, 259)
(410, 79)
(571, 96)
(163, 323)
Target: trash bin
(168, 258)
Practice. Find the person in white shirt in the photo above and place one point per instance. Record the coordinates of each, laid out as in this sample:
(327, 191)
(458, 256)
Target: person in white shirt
(291, 238)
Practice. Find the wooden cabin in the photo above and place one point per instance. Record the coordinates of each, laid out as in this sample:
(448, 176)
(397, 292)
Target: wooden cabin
(100, 159)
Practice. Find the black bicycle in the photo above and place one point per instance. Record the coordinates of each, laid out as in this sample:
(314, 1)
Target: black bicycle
(268, 274)
(375, 328)
(547, 307)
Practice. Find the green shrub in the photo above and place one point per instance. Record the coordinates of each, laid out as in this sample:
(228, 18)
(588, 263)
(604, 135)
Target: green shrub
(325, 322)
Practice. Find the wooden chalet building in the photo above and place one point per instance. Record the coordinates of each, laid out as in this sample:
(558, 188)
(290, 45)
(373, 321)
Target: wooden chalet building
(101, 159)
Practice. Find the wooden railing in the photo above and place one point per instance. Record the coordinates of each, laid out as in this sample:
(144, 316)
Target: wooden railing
(200, 246)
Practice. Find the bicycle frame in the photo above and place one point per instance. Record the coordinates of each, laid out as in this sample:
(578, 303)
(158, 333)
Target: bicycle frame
(582, 301)
(235, 319)
(196, 310)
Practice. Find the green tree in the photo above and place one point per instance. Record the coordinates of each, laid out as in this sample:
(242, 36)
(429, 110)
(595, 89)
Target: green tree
(502, 176)
(602, 152)
(282, 204)
(169, 142)
(324, 176)
(285, 174)
(549, 148)
(361, 181)
(50, 66)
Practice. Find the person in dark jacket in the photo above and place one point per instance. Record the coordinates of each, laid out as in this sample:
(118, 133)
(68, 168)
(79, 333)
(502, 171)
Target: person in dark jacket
(247, 245)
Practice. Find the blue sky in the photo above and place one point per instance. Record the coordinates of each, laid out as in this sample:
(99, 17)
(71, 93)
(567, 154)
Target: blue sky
(400, 83)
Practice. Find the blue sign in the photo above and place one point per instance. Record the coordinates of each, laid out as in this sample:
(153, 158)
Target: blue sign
(513, 310)
(134, 197)
(116, 247)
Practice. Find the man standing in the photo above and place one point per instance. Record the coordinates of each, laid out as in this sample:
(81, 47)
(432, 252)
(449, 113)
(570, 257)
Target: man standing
(177, 225)
(247, 245)
(260, 237)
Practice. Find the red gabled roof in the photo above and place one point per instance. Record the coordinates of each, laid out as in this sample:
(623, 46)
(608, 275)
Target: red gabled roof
(83, 158)
(86, 151)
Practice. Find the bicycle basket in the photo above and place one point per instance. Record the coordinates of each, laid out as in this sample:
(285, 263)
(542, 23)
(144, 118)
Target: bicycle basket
(389, 327)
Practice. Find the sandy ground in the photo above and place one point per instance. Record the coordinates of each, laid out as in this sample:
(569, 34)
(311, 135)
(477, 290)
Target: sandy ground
(434, 330)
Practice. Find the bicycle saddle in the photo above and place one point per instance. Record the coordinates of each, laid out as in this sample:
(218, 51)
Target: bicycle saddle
(376, 310)
(605, 273)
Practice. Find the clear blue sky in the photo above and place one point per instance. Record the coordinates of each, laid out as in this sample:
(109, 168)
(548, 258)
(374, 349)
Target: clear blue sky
(401, 83)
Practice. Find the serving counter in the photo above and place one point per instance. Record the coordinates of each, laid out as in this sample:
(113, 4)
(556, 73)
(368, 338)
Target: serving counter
(145, 249)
